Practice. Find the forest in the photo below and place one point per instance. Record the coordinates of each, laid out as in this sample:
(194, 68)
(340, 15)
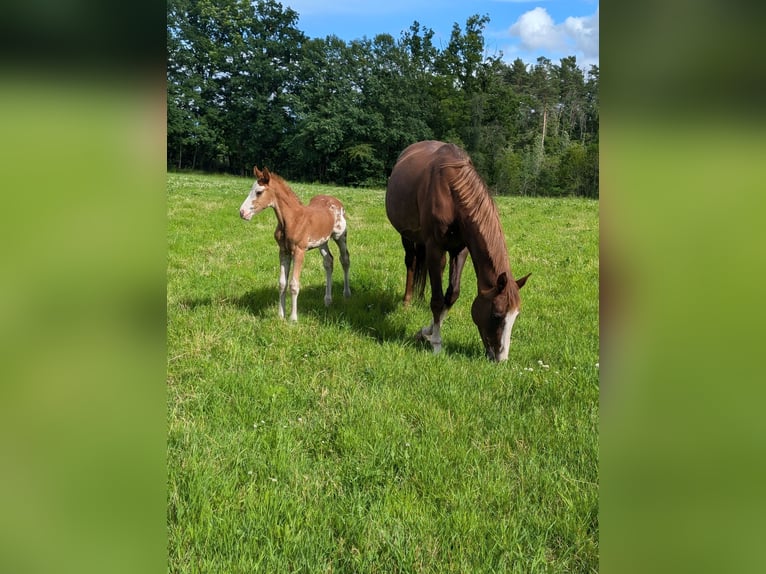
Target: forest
(245, 86)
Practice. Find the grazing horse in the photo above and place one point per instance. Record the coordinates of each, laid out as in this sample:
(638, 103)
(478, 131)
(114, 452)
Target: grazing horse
(299, 228)
(439, 204)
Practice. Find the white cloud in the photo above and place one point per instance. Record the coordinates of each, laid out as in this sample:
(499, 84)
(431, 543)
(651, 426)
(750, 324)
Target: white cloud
(540, 35)
(584, 32)
(537, 30)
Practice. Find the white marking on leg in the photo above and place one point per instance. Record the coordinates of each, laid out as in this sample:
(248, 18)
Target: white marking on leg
(284, 271)
(436, 338)
(505, 338)
(432, 333)
(295, 288)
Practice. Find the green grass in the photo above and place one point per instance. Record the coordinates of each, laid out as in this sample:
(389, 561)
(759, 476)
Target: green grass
(339, 444)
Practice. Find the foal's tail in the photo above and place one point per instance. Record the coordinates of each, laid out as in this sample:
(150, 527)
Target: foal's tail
(420, 271)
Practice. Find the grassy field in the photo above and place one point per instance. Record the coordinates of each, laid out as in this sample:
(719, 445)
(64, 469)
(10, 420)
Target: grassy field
(340, 444)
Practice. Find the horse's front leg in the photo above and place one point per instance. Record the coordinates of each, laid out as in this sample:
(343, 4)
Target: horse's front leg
(295, 281)
(432, 333)
(327, 260)
(456, 263)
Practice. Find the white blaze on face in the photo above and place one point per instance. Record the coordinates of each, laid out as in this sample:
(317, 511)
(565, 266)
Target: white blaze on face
(505, 338)
(246, 210)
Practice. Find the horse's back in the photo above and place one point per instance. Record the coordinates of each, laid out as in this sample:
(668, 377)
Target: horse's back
(415, 180)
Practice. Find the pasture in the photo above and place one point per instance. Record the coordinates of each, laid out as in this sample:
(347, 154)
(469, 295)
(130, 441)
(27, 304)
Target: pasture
(341, 444)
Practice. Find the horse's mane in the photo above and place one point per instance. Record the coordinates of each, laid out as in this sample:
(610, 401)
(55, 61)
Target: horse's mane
(471, 193)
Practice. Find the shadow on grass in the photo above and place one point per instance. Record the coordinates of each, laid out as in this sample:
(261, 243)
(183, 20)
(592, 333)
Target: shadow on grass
(367, 312)
(257, 302)
(372, 313)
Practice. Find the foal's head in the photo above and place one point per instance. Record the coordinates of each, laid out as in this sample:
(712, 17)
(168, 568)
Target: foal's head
(260, 197)
(494, 312)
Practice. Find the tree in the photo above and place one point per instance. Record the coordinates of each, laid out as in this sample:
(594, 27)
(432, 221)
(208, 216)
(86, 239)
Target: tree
(230, 64)
(246, 86)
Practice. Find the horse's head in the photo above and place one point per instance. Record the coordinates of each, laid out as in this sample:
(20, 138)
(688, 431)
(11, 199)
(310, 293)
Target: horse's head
(260, 196)
(494, 312)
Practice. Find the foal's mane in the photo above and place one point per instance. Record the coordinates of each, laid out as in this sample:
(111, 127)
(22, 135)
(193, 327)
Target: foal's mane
(471, 194)
(284, 187)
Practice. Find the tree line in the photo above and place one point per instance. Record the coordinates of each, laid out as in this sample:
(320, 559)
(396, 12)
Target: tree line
(246, 86)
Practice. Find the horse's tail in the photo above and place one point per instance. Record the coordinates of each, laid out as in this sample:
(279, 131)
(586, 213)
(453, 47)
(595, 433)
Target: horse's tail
(420, 271)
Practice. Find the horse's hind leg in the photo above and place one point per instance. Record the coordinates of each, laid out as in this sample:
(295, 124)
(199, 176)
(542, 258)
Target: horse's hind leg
(345, 261)
(409, 263)
(327, 260)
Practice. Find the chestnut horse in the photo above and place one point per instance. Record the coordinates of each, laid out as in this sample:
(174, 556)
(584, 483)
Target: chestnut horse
(299, 228)
(439, 204)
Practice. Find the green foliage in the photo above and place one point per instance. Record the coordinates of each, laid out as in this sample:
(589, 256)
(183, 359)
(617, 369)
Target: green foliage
(339, 443)
(246, 86)
(363, 166)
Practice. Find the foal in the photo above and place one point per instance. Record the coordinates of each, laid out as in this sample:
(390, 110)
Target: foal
(299, 228)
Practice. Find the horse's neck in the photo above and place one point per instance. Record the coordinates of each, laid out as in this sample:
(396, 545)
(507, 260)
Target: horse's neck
(488, 254)
(286, 205)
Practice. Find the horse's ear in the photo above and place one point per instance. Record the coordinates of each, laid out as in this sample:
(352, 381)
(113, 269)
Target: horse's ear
(502, 282)
(520, 282)
(257, 172)
(266, 175)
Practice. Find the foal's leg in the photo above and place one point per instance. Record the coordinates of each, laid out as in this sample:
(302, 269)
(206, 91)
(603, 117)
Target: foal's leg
(284, 271)
(345, 261)
(327, 260)
(295, 281)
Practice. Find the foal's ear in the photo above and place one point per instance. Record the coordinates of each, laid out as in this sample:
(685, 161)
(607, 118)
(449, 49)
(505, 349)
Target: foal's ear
(266, 175)
(257, 172)
(520, 282)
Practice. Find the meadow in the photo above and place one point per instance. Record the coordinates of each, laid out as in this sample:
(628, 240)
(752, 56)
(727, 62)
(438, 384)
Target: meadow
(341, 444)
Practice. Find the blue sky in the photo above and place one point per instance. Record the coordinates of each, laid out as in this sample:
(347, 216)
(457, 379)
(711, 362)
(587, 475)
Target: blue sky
(525, 29)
